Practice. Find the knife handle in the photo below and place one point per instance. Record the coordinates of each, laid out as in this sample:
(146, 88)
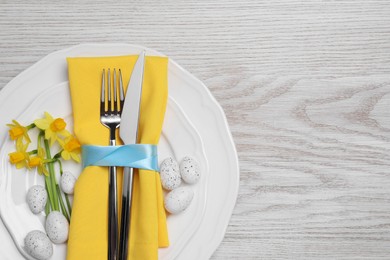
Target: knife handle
(127, 192)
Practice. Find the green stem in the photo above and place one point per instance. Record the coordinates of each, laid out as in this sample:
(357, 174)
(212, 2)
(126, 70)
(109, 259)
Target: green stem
(66, 195)
(48, 203)
(50, 160)
(63, 209)
(47, 181)
(52, 176)
(47, 208)
(58, 155)
(49, 191)
(40, 135)
(60, 164)
(68, 204)
(30, 126)
(33, 152)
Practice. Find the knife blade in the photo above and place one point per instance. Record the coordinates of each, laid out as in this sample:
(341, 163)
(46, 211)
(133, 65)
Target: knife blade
(128, 132)
(130, 113)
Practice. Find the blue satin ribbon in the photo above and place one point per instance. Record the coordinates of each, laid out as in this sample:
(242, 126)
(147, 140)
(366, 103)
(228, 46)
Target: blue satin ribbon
(141, 156)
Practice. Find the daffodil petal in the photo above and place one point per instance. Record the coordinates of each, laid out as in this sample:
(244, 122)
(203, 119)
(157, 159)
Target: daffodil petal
(75, 157)
(20, 165)
(19, 144)
(61, 142)
(48, 134)
(16, 122)
(27, 137)
(64, 133)
(65, 155)
(48, 116)
(42, 123)
(53, 140)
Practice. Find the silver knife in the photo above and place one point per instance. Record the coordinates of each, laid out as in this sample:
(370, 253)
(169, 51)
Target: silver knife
(128, 132)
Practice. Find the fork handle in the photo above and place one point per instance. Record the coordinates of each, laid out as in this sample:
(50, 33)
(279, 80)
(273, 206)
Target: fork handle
(112, 212)
(127, 193)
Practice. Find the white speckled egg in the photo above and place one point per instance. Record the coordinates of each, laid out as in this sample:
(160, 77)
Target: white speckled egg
(38, 245)
(169, 174)
(189, 170)
(67, 182)
(36, 198)
(178, 200)
(57, 227)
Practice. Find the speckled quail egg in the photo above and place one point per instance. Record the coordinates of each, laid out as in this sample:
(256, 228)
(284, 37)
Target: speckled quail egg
(36, 198)
(189, 170)
(57, 227)
(38, 245)
(169, 174)
(178, 200)
(67, 182)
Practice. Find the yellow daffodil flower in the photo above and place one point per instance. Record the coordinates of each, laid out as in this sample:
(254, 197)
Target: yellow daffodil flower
(18, 132)
(71, 148)
(53, 127)
(39, 162)
(20, 157)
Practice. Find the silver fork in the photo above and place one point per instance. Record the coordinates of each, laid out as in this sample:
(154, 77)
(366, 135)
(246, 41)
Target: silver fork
(111, 118)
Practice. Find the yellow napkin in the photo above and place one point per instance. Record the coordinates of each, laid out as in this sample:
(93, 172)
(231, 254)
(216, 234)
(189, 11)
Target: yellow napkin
(88, 228)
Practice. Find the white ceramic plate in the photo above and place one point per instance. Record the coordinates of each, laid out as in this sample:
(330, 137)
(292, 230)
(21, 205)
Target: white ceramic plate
(178, 137)
(194, 234)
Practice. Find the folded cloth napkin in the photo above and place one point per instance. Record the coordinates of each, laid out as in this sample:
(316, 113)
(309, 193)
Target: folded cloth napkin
(88, 229)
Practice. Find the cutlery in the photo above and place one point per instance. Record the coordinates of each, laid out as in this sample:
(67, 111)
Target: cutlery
(129, 133)
(111, 118)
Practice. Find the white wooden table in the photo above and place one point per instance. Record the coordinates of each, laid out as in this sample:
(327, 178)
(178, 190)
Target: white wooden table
(305, 86)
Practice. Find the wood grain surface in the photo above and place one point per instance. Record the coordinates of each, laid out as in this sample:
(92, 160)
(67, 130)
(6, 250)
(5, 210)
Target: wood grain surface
(305, 86)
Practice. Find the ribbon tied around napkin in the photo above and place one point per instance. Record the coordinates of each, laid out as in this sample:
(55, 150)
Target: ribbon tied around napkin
(140, 156)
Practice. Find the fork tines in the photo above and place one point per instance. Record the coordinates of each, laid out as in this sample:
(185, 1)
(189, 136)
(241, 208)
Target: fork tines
(113, 106)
